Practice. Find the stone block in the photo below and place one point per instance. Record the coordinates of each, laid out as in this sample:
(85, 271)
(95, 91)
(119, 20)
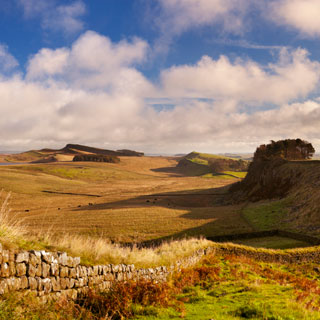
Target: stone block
(12, 268)
(32, 283)
(21, 269)
(24, 282)
(35, 258)
(95, 270)
(55, 284)
(47, 285)
(47, 257)
(3, 286)
(76, 261)
(5, 271)
(70, 262)
(45, 270)
(22, 257)
(64, 272)
(14, 284)
(54, 269)
(62, 258)
(63, 283)
(72, 273)
(71, 283)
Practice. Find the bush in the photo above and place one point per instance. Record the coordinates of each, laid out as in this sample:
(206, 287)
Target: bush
(96, 158)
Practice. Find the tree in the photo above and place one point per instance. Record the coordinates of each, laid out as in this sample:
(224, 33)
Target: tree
(289, 149)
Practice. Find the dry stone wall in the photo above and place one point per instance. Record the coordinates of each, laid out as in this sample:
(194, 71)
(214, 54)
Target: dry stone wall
(56, 274)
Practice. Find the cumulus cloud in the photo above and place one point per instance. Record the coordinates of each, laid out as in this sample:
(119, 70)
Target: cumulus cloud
(293, 76)
(93, 62)
(7, 61)
(55, 17)
(93, 93)
(302, 15)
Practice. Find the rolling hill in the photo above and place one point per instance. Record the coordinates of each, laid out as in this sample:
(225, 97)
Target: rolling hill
(210, 165)
(65, 154)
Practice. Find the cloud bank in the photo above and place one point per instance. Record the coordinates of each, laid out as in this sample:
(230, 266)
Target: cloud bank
(93, 93)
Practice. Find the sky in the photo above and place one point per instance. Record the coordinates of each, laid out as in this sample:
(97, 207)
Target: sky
(159, 76)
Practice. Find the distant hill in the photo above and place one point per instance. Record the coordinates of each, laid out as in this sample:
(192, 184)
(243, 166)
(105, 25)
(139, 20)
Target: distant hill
(66, 154)
(199, 164)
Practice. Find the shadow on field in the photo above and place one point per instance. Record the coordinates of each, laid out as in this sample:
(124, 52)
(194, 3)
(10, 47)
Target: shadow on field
(202, 205)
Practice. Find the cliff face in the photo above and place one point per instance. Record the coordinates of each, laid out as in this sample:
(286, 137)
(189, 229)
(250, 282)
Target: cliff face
(297, 181)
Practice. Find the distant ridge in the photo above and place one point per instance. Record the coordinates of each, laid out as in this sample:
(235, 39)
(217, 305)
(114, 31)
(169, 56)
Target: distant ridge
(67, 153)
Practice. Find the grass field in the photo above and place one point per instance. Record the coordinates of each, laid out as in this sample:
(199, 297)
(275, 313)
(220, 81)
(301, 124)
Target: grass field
(141, 198)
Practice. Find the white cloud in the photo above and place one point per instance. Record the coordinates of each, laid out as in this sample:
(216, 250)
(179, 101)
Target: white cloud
(93, 62)
(54, 17)
(180, 15)
(302, 15)
(293, 76)
(93, 93)
(7, 61)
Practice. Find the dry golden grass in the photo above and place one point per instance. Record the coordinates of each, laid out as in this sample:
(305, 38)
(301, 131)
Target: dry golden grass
(125, 205)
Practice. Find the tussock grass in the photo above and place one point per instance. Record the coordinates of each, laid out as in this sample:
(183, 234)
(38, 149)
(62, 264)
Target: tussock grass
(101, 251)
(11, 228)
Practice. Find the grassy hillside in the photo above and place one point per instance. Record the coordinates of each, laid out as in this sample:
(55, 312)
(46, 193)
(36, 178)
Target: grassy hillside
(296, 183)
(202, 164)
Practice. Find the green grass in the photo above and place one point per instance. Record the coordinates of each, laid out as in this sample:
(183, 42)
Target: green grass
(243, 289)
(274, 242)
(240, 174)
(266, 216)
(226, 175)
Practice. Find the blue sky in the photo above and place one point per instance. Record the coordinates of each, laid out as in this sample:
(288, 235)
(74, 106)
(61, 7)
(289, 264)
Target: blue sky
(161, 76)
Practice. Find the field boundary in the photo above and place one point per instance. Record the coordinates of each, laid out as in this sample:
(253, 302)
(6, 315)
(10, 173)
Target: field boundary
(267, 233)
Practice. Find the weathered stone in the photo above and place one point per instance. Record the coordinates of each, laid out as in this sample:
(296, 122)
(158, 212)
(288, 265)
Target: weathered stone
(95, 270)
(55, 284)
(32, 283)
(12, 268)
(14, 283)
(22, 257)
(21, 269)
(5, 256)
(72, 273)
(31, 270)
(47, 257)
(90, 271)
(35, 258)
(3, 286)
(5, 271)
(71, 283)
(39, 270)
(45, 270)
(63, 283)
(1, 248)
(70, 262)
(24, 282)
(62, 258)
(76, 261)
(64, 271)
(54, 269)
(115, 268)
(47, 285)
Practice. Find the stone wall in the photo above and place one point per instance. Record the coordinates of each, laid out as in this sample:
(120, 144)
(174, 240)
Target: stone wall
(57, 274)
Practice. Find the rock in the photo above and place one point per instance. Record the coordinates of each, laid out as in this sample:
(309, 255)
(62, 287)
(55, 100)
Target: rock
(21, 269)
(22, 257)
